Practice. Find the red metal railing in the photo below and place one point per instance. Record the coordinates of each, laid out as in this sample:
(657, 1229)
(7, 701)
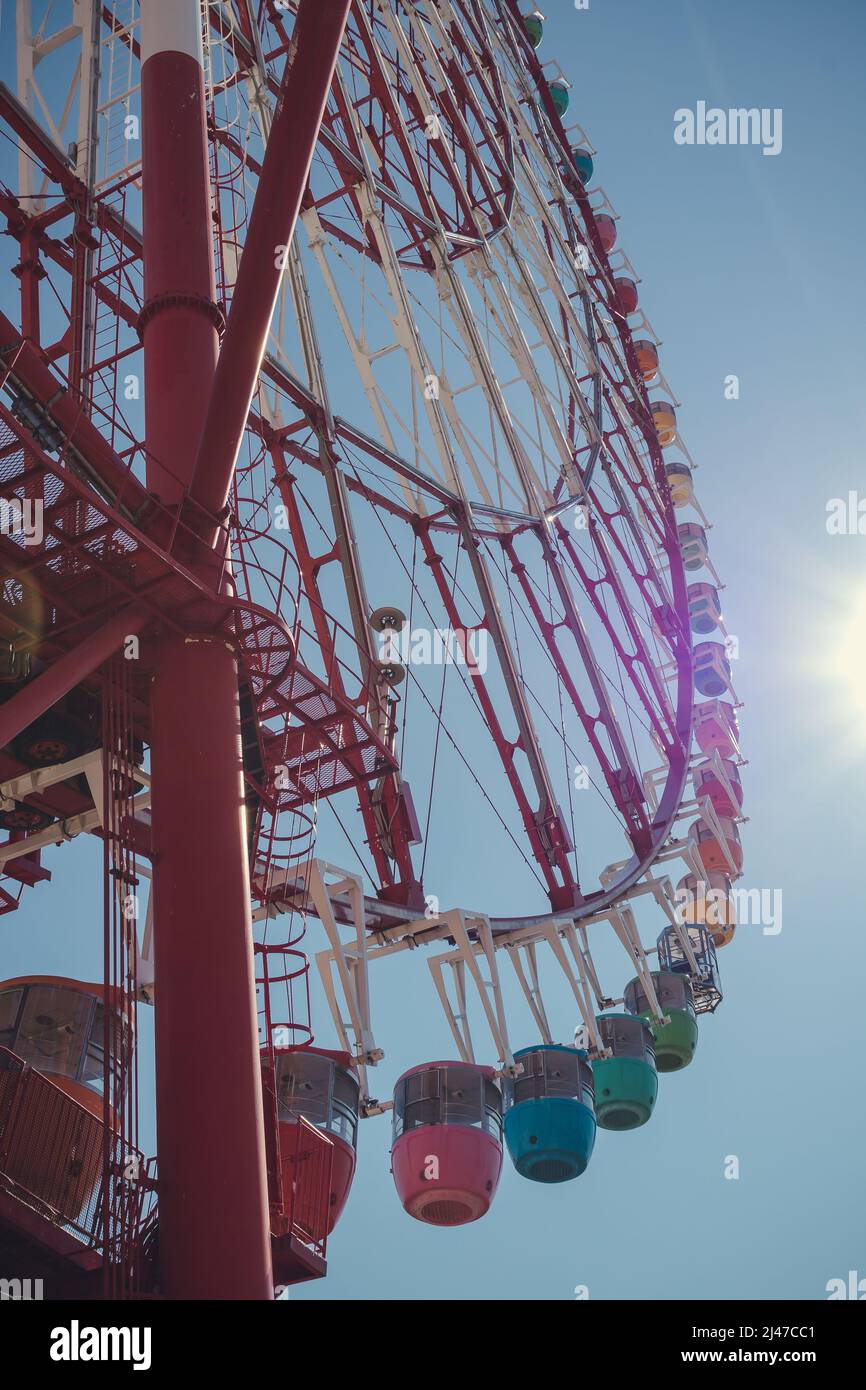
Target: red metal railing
(306, 1156)
(51, 1159)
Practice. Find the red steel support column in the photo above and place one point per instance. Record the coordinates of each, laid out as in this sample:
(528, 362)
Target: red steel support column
(179, 322)
(214, 1236)
(213, 1202)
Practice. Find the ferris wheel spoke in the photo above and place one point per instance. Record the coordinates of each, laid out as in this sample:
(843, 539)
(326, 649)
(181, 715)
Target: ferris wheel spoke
(373, 790)
(543, 825)
(590, 723)
(660, 713)
(433, 90)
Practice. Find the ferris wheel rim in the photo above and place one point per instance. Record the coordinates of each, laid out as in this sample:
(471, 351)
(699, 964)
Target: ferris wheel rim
(456, 511)
(487, 521)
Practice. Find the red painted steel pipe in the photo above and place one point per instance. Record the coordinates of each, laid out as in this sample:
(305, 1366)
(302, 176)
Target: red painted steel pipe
(214, 1240)
(180, 321)
(43, 692)
(318, 33)
(214, 1225)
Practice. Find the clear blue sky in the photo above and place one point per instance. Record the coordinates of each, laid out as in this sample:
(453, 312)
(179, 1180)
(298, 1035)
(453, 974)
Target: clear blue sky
(750, 265)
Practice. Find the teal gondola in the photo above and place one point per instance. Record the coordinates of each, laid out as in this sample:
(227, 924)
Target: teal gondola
(550, 1115)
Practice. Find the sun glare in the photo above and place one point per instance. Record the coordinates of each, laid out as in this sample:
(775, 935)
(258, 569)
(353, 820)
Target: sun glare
(840, 665)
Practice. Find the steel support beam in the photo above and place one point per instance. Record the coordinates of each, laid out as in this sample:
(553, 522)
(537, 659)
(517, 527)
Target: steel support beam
(41, 694)
(317, 37)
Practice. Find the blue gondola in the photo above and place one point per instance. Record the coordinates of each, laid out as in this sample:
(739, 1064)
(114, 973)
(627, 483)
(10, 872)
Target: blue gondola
(550, 1115)
(583, 163)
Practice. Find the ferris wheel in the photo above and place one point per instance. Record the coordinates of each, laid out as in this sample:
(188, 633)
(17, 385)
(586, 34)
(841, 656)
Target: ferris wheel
(351, 450)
